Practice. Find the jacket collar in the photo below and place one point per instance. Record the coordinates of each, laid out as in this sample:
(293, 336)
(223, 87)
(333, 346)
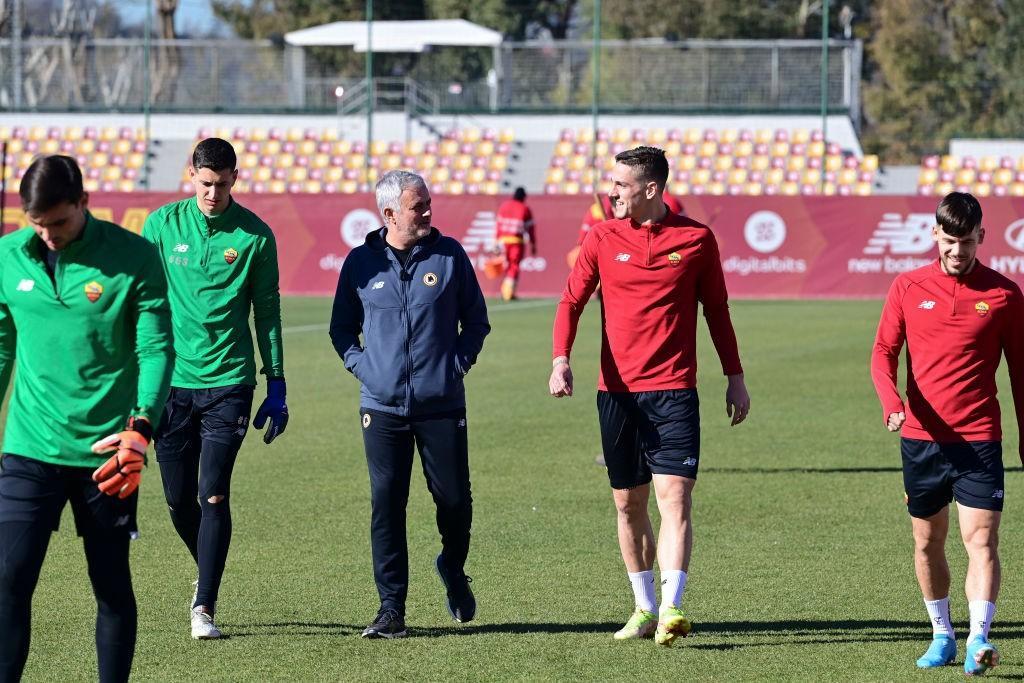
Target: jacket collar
(88, 236)
(377, 240)
(225, 220)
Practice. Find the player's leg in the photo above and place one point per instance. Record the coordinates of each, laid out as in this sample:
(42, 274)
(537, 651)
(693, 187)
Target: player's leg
(177, 444)
(388, 441)
(978, 490)
(671, 435)
(630, 482)
(513, 257)
(106, 525)
(928, 486)
(443, 443)
(31, 499)
(224, 421)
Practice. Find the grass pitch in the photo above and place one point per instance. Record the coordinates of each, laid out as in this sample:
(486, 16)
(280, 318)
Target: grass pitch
(801, 567)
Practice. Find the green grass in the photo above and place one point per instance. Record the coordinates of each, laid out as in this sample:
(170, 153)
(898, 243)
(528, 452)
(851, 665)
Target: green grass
(801, 568)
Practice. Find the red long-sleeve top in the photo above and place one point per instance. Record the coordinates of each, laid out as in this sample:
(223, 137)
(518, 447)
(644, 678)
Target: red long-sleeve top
(652, 277)
(514, 221)
(956, 329)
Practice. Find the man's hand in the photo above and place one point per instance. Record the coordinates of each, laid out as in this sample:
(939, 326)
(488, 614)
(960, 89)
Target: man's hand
(560, 382)
(737, 400)
(895, 421)
(120, 475)
(273, 407)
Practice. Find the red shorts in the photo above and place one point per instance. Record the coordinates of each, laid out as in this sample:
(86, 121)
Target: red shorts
(513, 255)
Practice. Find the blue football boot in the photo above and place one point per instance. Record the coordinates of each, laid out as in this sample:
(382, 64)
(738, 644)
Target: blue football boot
(941, 652)
(981, 656)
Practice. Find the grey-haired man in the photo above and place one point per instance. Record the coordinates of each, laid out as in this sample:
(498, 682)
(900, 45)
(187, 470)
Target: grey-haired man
(413, 295)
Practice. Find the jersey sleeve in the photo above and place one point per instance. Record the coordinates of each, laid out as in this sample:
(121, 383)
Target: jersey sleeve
(347, 317)
(1013, 349)
(714, 299)
(8, 343)
(582, 282)
(153, 345)
(885, 354)
(266, 308)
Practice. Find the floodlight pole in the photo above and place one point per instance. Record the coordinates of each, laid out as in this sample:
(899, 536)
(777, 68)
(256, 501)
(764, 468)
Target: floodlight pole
(595, 101)
(824, 89)
(16, 73)
(146, 86)
(369, 87)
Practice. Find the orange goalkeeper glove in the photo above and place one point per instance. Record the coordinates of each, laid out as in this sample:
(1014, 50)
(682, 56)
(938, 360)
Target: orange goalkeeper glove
(119, 476)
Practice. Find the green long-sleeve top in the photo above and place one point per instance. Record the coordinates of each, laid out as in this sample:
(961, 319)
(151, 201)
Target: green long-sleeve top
(218, 268)
(91, 345)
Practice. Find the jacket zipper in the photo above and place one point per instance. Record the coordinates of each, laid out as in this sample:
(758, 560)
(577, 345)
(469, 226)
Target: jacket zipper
(650, 239)
(402, 277)
(956, 289)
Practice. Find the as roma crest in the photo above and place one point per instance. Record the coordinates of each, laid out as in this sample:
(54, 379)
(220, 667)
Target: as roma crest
(230, 255)
(982, 308)
(93, 291)
(674, 258)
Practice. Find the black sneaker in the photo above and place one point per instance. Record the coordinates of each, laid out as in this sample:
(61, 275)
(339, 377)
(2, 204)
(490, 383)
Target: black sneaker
(388, 624)
(461, 603)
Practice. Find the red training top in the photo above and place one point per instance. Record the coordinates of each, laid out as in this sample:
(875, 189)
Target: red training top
(512, 222)
(956, 329)
(652, 277)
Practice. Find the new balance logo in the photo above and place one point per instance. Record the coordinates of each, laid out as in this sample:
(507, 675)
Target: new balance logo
(926, 305)
(898, 235)
(998, 493)
(181, 248)
(26, 285)
(379, 284)
(622, 257)
(462, 422)
(689, 462)
(122, 520)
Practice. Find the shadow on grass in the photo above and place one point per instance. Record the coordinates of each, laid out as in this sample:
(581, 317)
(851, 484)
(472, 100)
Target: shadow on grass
(799, 470)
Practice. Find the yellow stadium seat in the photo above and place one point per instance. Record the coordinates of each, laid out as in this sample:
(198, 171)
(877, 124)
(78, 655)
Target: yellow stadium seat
(812, 176)
(927, 176)
(463, 162)
(737, 176)
(379, 148)
(988, 163)
(356, 161)
(294, 134)
(620, 136)
(816, 149)
(272, 147)
(507, 135)
(89, 184)
(313, 186)
(258, 134)
(334, 174)
(673, 148)
(49, 146)
(391, 161)
(248, 160)
(848, 176)
(277, 186)
(426, 161)
(965, 176)
(716, 189)
(701, 176)
(111, 173)
(262, 174)
(759, 163)
(796, 163)
(414, 147)
(37, 133)
(491, 187)
(456, 187)
(297, 174)
(471, 134)
(949, 162)
(486, 148)
(74, 133)
(342, 147)
(678, 188)
(691, 136)
(588, 175)
(687, 162)
(448, 148)
(982, 189)
(801, 136)
(577, 162)
(753, 189)
(306, 148)
(440, 175)
(222, 132)
(657, 137)
(284, 160)
(499, 163)
(1002, 176)
(943, 188)
(790, 188)
(763, 136)
(743, 148)
(99, 159)
(554, 175)
(833, 162)
(708, 149)
(350, 187)
(571, 188)
(864, 189)
(1016, 189)
(869, 163)
(830, 189)
(780, 149)
(723, 163)
(15, 146)
(476, 175)
(126, 185)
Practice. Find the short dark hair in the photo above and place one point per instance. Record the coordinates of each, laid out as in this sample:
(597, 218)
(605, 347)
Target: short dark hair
(215, 154)
(648, 163)
(959, 214)
(50, 181)
(520, 194)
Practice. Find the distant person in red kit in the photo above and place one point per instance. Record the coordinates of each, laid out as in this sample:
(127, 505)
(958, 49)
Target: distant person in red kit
(513, 226)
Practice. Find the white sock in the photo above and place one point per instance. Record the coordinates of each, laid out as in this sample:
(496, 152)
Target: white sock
(673, 582)
(982, 613)
(643, 589)
(938, 612)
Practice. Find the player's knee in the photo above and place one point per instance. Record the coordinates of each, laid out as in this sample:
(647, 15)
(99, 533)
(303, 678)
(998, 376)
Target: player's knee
(215, 499)
(982, 539)
(629, 506)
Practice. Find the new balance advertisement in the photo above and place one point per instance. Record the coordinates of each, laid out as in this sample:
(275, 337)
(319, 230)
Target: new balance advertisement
(772, 247)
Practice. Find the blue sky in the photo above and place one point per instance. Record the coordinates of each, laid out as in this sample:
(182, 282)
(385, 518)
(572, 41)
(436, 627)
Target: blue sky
(192, 15)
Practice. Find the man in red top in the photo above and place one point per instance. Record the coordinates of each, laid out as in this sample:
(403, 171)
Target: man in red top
(601, 210)
(957, 318)
(513, 223)
(654, 266)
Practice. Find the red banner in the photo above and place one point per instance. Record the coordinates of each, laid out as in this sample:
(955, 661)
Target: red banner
(785, 247)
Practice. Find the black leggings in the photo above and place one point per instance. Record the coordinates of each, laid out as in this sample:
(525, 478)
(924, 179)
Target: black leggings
(22, 549)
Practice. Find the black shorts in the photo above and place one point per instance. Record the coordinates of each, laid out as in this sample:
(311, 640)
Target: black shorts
(191, 416)
(35, 491)
(936, 473)
(649, 432)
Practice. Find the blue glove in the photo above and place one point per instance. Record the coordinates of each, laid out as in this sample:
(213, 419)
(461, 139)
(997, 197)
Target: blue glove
(273, 407)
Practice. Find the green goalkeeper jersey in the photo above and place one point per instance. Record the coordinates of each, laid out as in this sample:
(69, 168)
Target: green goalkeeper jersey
(218, 269)
(91, 344)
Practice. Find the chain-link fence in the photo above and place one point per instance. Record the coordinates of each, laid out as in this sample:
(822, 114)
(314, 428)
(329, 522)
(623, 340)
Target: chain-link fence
(546, 77)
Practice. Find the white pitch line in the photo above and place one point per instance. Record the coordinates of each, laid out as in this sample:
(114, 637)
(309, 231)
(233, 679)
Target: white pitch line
(497, 308)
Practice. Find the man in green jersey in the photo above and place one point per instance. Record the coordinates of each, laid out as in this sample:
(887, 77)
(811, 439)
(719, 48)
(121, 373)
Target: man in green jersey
(84, 319)
(221, 263)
